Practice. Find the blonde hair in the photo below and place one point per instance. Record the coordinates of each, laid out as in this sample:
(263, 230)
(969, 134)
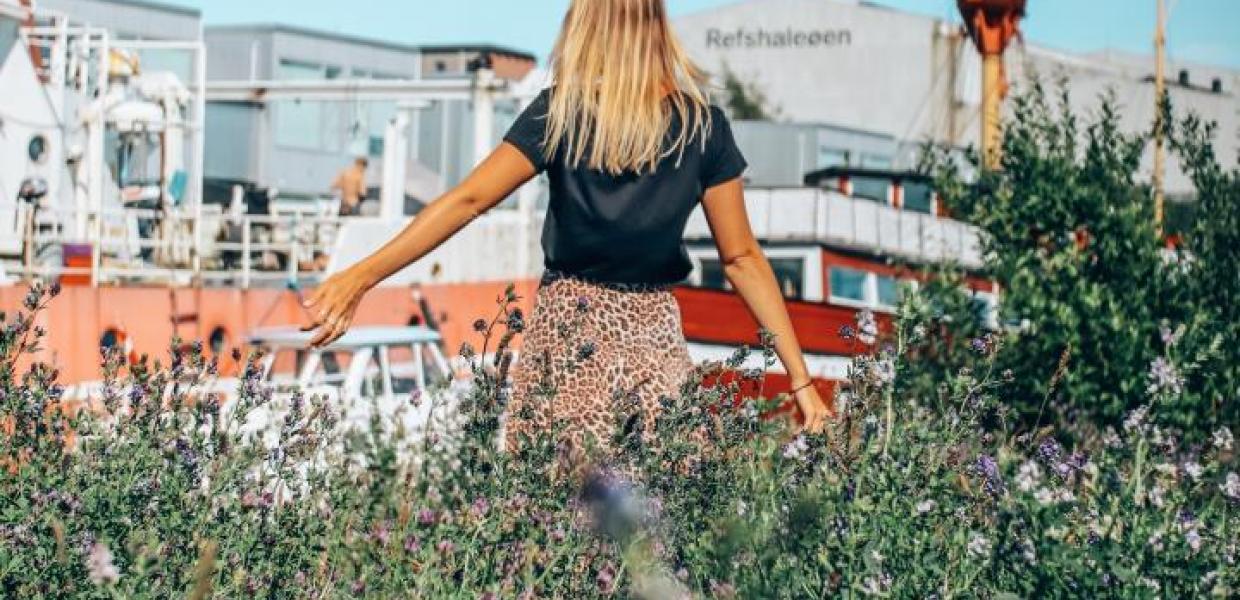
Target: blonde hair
(619, 75)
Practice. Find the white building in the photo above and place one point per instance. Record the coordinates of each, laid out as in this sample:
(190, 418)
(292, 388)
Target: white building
(854, 65)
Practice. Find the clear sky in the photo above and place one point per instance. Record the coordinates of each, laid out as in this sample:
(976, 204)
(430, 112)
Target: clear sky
(1206, 31)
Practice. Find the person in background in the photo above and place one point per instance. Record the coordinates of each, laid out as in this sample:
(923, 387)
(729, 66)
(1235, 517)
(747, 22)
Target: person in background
(350, 186)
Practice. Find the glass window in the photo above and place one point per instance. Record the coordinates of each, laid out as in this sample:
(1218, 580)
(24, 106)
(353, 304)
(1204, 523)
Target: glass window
(790, 273)
(832, 157)
(889, 290)
(711, 274)
(872, 188)
(875, 161)
(848, 284)
(918, 197)
(299, 123)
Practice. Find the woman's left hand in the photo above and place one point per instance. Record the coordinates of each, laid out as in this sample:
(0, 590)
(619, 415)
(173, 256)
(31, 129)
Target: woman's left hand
(333, 304)
(814, 411)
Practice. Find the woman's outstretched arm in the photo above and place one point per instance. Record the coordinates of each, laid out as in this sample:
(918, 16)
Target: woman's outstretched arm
(751, 276)
(333, 303)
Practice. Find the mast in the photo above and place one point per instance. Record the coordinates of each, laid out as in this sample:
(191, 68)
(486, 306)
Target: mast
(991, 24)
(1160, 91)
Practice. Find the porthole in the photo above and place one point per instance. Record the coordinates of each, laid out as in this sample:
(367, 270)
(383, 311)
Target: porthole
(218, 340)
(37, 148)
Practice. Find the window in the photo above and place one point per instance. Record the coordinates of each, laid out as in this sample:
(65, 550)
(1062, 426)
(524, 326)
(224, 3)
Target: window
(888, 290)
(918, 197)
(875, 161)
(299, 123)
(848, 284)
(441, 66)
(872, 188)
(790, 273)
(832, 157)
(710, 274)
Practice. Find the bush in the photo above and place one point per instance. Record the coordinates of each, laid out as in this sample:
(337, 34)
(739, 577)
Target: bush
(156, 492)
(1099, 317)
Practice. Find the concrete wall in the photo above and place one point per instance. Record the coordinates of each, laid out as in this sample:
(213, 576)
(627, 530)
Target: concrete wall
(132, 18)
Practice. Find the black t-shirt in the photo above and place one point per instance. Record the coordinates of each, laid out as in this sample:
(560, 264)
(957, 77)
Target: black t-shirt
(626, 228)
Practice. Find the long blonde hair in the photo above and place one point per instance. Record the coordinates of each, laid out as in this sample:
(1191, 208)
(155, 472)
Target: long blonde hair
(619, 75)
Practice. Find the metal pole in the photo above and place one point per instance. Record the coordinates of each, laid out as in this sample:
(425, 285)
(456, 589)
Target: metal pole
(1160, 91)
(992, 101)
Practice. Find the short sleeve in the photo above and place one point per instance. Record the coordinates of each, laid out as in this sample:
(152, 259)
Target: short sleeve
(526, 132)
(722, 160)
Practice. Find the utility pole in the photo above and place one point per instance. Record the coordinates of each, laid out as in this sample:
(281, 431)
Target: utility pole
(992, 24)
(1160, 92)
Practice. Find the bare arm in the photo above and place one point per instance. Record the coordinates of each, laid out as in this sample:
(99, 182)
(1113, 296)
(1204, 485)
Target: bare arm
(335, 301)
(750, 273)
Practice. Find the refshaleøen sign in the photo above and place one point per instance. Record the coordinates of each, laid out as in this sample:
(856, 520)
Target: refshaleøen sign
(745, 38)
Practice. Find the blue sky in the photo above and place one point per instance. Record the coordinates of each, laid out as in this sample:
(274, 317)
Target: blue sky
(1206, 31)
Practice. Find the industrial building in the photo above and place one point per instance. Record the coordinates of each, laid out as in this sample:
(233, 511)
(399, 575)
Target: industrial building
(905, 78)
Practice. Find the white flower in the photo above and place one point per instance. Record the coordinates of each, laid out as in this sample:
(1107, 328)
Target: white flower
(867, 328)
(1158, 496)
(1136, 418)
(925, 506)
(1028, 476)
(1150, 583)
(1167, 469)
(796, 448)
(1164, 377)
(1057, 496)
(1028, 552)
(1231, 487)
(979, 546)
(1193, 538)
(1223, 439)
(741, 508)
(1193, 470)
(99, 565)
(1111, 438)
(1155, 542)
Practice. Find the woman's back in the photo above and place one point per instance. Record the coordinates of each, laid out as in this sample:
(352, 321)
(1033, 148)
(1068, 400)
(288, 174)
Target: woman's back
(625, 228)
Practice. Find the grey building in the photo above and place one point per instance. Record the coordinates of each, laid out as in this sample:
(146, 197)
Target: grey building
(132, 19)
(297, 146)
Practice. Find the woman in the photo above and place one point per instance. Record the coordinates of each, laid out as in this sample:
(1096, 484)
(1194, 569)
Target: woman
(631, 145)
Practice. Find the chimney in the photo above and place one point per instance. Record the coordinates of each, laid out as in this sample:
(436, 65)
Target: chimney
(1184, 77)
(1216, 85)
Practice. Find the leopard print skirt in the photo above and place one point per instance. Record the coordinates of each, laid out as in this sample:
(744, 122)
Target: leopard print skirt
(587, 348)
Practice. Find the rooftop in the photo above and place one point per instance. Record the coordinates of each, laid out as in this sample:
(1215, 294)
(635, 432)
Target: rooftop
(355, 39)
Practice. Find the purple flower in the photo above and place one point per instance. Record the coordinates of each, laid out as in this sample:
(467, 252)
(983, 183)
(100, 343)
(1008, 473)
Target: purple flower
(381, 533)
(359, 587)
(988, 469)
(1049, 450)
(479, 508)
(426, 516)
(412, 544)
(445, 547)
(979, 345)
(606, 578)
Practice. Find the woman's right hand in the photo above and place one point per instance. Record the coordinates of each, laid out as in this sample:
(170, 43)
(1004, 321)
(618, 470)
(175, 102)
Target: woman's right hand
(332, 305)
(814, 412)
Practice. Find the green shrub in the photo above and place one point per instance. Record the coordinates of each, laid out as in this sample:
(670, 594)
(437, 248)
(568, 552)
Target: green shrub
(1091, 300)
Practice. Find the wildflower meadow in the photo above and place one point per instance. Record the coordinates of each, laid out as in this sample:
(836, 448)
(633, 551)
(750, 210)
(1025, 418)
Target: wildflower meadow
(1075, 449)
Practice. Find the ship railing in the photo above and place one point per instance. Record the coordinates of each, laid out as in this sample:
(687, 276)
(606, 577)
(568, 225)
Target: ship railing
(814, 215)
(166, 247)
